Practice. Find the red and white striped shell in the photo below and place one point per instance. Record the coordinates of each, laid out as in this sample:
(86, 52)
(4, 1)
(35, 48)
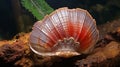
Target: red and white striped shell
(65, 32)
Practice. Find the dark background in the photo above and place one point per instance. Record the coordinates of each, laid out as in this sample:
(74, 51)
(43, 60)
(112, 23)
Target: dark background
(7, 22)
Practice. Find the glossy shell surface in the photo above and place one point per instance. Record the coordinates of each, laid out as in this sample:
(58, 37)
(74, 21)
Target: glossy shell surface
(65, 32)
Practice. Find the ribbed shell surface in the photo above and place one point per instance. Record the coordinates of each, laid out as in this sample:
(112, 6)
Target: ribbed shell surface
(61, 25)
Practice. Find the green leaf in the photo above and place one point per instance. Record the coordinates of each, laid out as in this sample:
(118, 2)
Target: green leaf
(39, 8)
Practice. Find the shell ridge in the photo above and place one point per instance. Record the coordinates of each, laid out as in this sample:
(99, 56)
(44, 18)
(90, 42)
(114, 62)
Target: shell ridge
(94, 24)
(90, 41)
(58, 14)
(62, 29)
(57, 24)
(82, 23)
(50, 35)
(94, 40)
(50, 27)
(62, 13)
(72, 22)
(69, 25)
(57, 32)
(76, 24)
(89, 25)
(38, 41)
(93, 36)
(79, 33)
(41, 34)
(59, 18)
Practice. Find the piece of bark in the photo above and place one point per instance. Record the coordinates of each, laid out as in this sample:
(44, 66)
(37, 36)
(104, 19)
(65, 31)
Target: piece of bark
(109, 51)
(9, 53)
(14, 50)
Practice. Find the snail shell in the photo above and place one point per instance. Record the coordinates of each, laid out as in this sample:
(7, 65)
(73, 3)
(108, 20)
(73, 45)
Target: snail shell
(65, 32)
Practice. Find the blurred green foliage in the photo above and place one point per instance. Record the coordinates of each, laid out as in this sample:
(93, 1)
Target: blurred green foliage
(39, 8)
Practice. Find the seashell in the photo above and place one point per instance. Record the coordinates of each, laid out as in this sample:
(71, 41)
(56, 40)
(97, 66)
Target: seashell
(65, 32)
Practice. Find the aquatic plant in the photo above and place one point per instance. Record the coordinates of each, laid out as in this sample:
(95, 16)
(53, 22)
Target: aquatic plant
(39, 8)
